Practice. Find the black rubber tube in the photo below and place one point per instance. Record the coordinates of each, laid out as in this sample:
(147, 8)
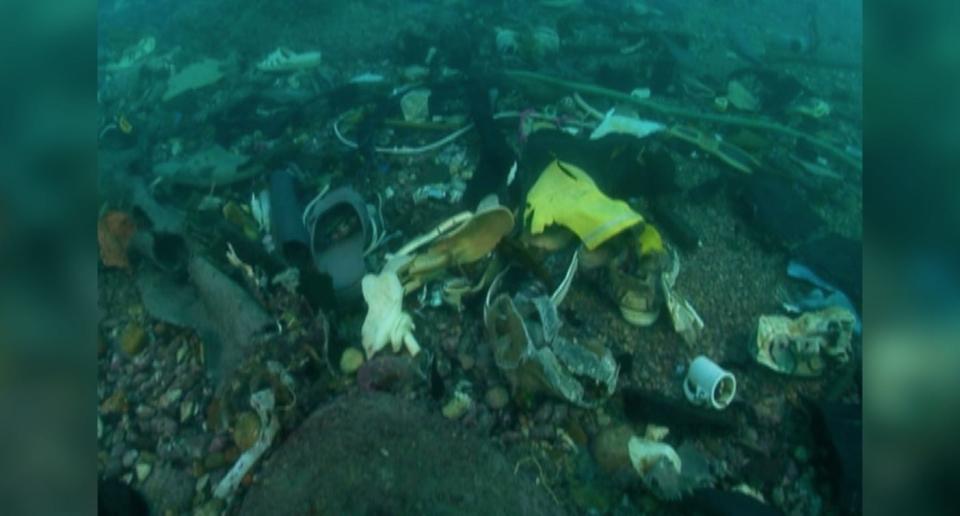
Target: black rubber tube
(286, 214)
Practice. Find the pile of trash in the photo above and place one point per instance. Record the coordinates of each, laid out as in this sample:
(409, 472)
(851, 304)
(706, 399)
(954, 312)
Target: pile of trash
(320, 281)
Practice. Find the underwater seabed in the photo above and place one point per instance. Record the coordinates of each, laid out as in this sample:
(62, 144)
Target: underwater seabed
(454, 257)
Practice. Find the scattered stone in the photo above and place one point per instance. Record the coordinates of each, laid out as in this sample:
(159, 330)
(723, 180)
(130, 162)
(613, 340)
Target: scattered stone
(466, 361)
(457, 406)
(115, 404)
(351, 360)
(169, 398)
(610, 448)
(145, 411)
(132, 339)
(164, 426)
(246, 430)
(214, 460)
(497, 397)
(212, 507)
(143, 470)
(130, 458)
(187, 409)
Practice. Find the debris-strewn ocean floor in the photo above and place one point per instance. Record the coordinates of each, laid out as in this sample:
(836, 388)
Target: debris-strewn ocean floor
(444, 432)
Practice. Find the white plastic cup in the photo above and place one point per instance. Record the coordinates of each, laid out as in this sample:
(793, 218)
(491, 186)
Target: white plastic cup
(709, 384)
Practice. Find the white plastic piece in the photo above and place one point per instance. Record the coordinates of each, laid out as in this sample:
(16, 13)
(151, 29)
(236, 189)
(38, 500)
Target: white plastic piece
(507, 41)
(134, 55)
(262, 402)
(619, 124)
(367, 78)
(640, 93)
(386, 322)
(286, 60)
(708, 383)
(646, 453)
(260, 208)
(415, 105)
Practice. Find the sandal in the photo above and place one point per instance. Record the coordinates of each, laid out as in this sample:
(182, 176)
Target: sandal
(340, 231)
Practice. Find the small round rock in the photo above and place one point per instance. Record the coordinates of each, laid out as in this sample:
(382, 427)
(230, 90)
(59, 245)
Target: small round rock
(497, 397)
(351, 360)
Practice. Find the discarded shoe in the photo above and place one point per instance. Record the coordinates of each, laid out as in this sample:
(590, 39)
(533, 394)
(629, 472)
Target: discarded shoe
(634, 276)
(339, 228)
(286, 60)
(462, 239)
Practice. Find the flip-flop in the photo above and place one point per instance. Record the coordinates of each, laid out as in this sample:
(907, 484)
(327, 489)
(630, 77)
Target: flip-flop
(340, 257)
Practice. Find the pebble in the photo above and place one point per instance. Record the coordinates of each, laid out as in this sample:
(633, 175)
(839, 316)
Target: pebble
(497, 397)
(129, 458)
(132, 339)
(610, 448)
(212, 507)
(169, 398)
(145, 411)
(560, 413)
(165, 426)
(351, 360)
(117, 402)
(542, 432)
(458, 405)
(187, 410)
(246, 430)
(214, 460)
(169, 489)
(543, 413)
(202, 483)
(217, 444)
(143, 470)
(443, 367)
(466, 361)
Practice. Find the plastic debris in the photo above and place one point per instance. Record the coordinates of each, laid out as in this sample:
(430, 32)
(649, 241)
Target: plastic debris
(134, 55)
(565, 195)
(686, 320)
(619, 124)
(709, 384)
(213, 165)
(195, 76)
(286, 60)
(805, 346)
(529, 349)
(115, 229)
(741, 97)
(386, 322)
(415, 105)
